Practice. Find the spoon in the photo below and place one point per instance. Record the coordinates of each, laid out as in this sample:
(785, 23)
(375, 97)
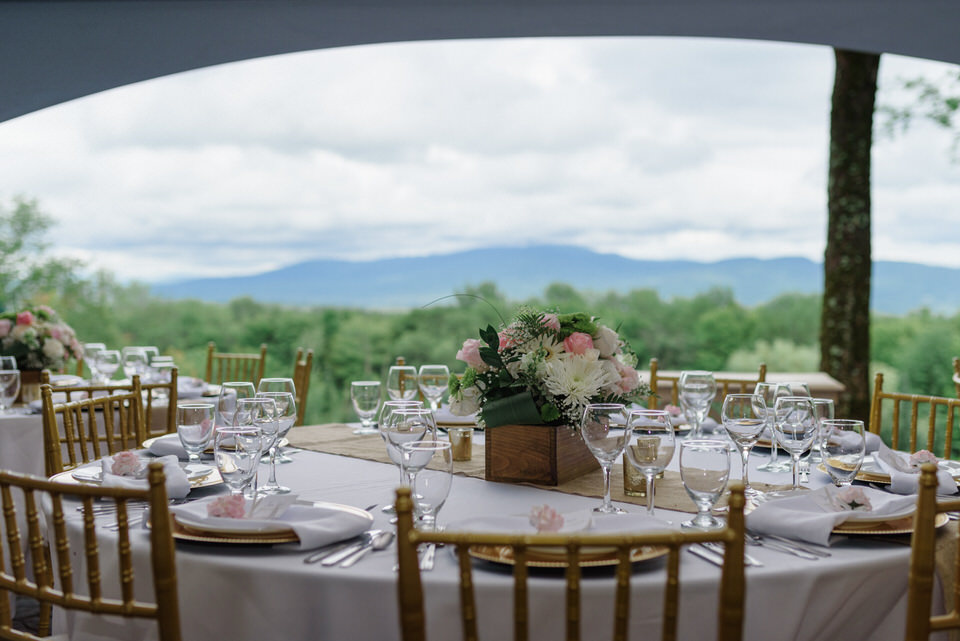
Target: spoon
(380, 542)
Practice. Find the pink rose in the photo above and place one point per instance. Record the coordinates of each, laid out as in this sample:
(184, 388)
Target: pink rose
(578, 343)
(920, 457)
(5, 326)
(233, 506)
(853, 498)
(470, 354)
(545, 518)
(25, 318)
(629, 378)
(125, 463)
(56, 333)
(506, 339)
(551, 321)
(48, 310)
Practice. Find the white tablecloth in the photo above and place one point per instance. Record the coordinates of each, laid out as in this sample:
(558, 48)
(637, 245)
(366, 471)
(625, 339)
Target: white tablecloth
(260, 593)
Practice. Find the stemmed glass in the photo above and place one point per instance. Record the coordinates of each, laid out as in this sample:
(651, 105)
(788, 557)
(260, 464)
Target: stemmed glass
(429, 466)
(433, 383)
(844, 447)
(237, 453)
(402, 382)
(705, 469)
(278, 385)
(230, 393)
(261, 414)
(407, 425)
(134, 361)
(365, 396)
(770, 392)
(604, 430)
(796, 426)
(651, 444)
(385, 412)
(90, 351)
(286, 413)
(9, 383)
(108, 362)
(195, 423)
(697, 389)
(744, 417)
(824, 409)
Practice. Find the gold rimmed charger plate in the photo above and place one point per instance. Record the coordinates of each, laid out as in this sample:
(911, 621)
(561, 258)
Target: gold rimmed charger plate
(210, 477)
(900, 526)
(185, 533)
(547, 559)
(869, 476)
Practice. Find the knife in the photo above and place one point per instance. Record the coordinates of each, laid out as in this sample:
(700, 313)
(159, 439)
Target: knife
(365, 542)
(717, 550)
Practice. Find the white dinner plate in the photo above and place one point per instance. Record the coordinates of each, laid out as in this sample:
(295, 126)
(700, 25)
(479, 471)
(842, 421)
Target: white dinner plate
(196, 472)
(870, 517)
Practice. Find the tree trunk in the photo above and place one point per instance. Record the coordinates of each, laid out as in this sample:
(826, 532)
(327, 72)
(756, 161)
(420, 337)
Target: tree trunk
(845, 321)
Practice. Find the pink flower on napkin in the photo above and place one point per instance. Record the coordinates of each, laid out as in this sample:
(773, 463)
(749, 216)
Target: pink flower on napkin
(125, 463)
(578, 343)
(920, 457)
(230, 507)
(854, 499)
(673, 410)
(545, 518)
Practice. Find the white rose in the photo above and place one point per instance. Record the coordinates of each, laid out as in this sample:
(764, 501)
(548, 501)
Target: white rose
(466, 402)
(606, 341)
(613, 375)
(53, 349)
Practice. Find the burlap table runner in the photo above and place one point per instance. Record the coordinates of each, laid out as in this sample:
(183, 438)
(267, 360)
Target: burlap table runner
(337, 438)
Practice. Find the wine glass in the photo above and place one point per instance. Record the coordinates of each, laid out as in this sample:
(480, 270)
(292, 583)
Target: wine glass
(286, 408)
(385, 412)
(261, 414)
(604, 430)
(134, 361)
(9, 386)
(744, 417)
(844, 447)
(697, 389)
(230, 393)
(8, 362)
(108, 362)
(161, 369)
(769, 392)
(237, 453)
(278, 384)
(429, 466)
(402, 382)
(796, 426)
(705, 469)
(433, 383)
(365, 396)
(195, 423)
(651, 444)
(90, 351)
(825, 411)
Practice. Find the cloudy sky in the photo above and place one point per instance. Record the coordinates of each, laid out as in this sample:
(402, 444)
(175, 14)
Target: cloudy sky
(646, 147)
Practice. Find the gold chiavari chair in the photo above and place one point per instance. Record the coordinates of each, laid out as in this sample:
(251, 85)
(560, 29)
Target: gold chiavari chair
(152, 393)
(85, 430)
(410, 589)
(725, 385)
(302, 367)
(933, 407)
(222, 366)
(920, 620)
(33, 493)
(956, 374)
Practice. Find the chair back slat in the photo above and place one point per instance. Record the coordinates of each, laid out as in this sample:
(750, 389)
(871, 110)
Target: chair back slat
(223, 366)
(30, 490)
(956, 374)
(573, 592)
(301, 381)
(521, 603)
(467, 596)
(933, 408)
(621, 612)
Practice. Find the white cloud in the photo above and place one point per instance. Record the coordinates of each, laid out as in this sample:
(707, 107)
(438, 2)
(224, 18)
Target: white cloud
(648, 147)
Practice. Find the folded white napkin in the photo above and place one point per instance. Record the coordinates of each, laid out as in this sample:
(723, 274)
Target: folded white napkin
(315, 526)
(812, 516)
(166, 445)
(178, 486)
(190, 387)
(904, 477)
(445, 417)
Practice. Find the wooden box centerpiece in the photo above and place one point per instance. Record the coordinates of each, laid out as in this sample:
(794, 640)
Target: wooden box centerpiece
(541, 454)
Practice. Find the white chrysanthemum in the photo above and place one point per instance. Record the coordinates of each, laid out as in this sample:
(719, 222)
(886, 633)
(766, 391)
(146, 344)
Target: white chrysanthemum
(577, 378)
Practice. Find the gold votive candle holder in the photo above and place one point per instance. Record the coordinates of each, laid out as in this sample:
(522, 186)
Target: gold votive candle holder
(461, 443)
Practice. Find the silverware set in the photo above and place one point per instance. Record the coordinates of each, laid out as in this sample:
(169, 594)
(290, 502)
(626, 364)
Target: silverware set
(347, 553)
(788, 546)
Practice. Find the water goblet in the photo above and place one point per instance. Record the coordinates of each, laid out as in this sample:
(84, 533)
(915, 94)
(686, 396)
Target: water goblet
(433, 383)
(604, 430)
(161, 371)
(365, 396)
(108, 362)
(825, 411)
(195, 423)
(796, 426)
(237, 453)
(744, 417)
(259, 413)
(402, 382)
(90, 351)
(769, 392)
(230, 393)
(133, 361)
(278, 384)
(407, 425)
(9, 386)
(704, 469)
(429, 466)
(844, 447)
(651, 444)
(697, 389)
(385, 412)
(286, 413)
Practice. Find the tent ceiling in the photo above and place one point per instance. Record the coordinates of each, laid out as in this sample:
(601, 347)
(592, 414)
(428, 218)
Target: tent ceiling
(51, 52)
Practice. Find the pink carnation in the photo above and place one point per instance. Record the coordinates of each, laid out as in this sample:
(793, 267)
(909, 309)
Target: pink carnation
(5, 326)
(470, 354)
(233, 506)
(920, 457)
(673, 410)
(551, 321)
(25, 318)
(853, 498)
(578, 343)
(506, 339)
(629, 378)
(545, 518)
(125, 463)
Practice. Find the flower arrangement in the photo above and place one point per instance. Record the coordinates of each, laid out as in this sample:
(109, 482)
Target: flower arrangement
(544, 368)
(38, 339)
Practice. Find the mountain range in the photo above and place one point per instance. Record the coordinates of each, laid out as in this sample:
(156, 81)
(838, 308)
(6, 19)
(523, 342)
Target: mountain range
(525, 272)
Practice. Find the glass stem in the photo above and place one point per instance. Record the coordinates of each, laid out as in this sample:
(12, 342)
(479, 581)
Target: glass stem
(273, 466)
(651, 479)
(606, 485)
(745, 455)
(796, 470)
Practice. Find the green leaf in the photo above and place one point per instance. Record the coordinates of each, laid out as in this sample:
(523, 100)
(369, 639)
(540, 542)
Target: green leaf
(491, 357)
(490, 337)
(518, 409)
(549, 413)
